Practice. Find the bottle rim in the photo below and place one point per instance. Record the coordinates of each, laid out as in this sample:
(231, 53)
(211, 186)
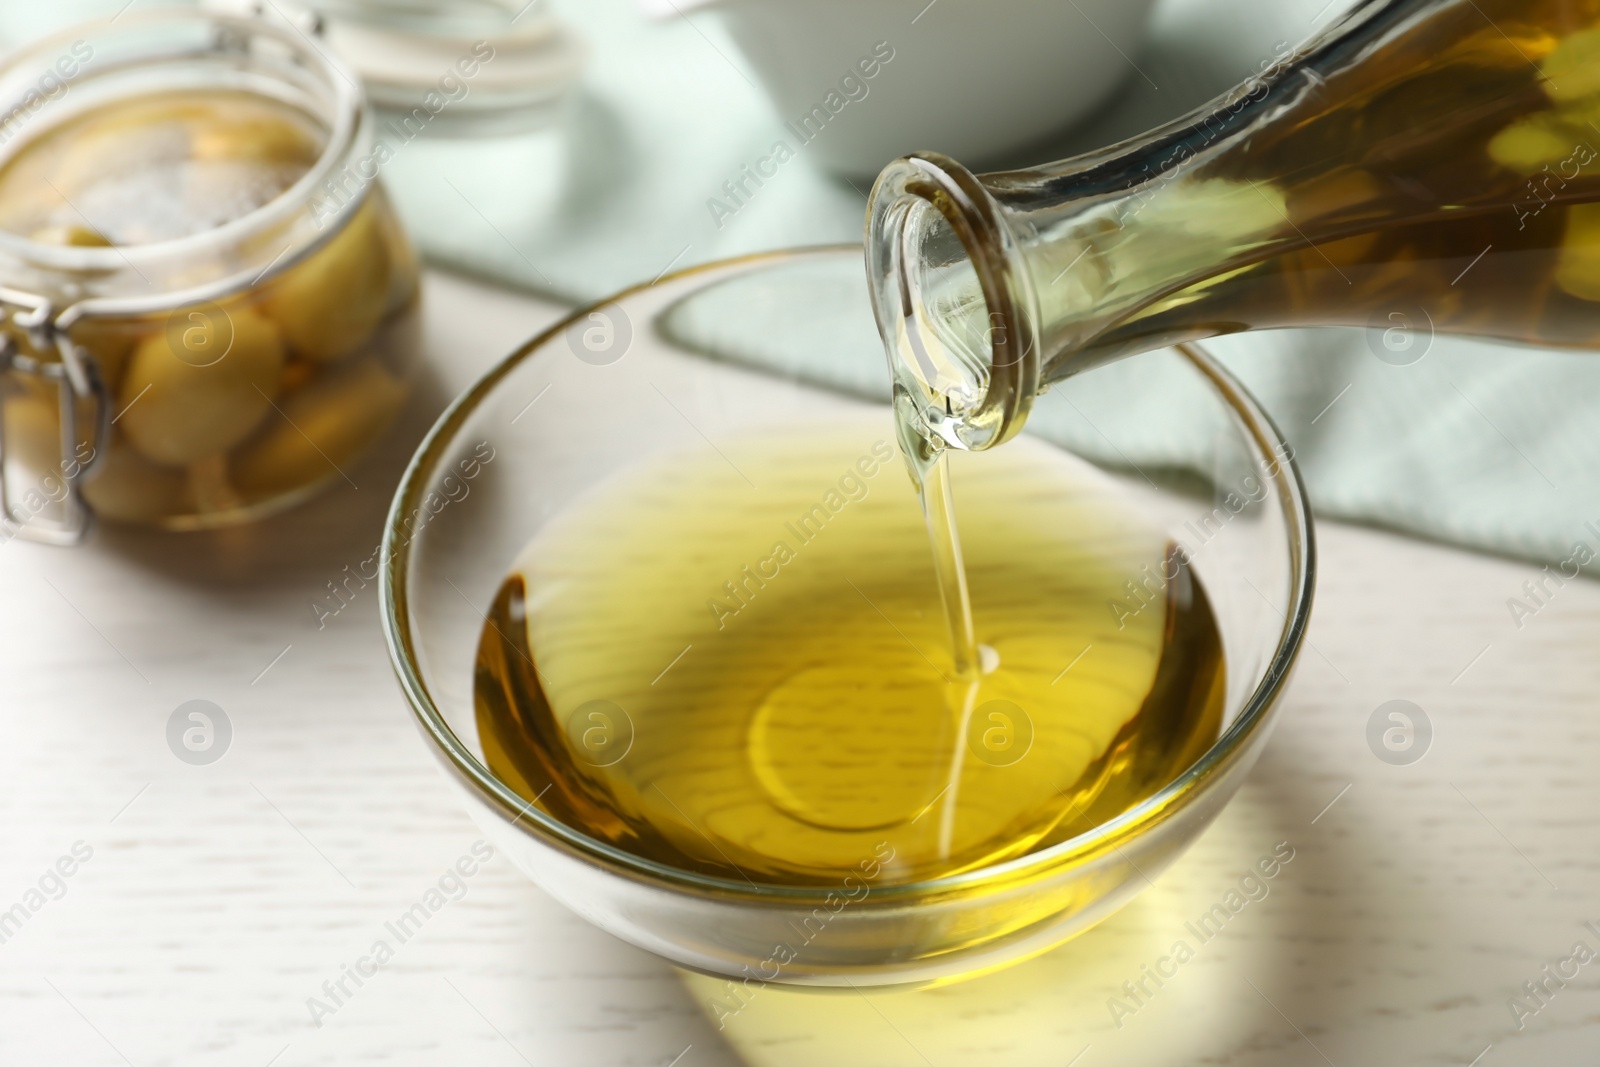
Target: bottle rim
(912, 195)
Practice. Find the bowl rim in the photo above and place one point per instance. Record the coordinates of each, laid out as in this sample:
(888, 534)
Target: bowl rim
(1233, 745)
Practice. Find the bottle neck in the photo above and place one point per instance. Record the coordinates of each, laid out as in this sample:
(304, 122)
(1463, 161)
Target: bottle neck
(987, 288)
(954, 294)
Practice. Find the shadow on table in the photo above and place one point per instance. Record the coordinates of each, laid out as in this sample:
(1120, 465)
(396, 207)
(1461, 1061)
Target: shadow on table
(1050, 1010)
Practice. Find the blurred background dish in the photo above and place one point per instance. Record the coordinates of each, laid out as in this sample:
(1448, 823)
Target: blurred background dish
(474, 68)
(991, 76)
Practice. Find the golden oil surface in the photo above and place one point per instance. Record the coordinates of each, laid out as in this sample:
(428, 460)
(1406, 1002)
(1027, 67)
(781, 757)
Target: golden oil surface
(156, 168)
(747, 672)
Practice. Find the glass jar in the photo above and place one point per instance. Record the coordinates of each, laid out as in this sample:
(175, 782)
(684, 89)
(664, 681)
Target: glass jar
(208, 309)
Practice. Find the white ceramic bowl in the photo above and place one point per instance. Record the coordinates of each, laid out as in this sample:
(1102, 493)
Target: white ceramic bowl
(974, 79)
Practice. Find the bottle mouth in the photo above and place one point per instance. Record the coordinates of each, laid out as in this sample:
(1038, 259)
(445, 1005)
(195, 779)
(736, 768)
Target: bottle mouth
(953, 303)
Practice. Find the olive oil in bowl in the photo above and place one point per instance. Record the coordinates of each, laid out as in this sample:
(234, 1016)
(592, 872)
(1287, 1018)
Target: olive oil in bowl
(746, 671)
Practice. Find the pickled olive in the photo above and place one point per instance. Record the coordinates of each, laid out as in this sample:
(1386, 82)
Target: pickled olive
(78, 236)
(261, 138)
(31, 418)
(297, 372)
(129, 488)
(30, 410)
(331, 302)
(405, 269)
(181, 405)
(324, 426)
(1537, 141)
(1578, 265)
(64, 175)
(210, 487)
(183, 165)
(109, 343)
(1572, 70)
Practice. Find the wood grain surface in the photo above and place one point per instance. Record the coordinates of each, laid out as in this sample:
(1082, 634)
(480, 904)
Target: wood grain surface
(217, 900)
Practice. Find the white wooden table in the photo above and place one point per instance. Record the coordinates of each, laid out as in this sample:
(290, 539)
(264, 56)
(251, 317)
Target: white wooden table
(218, 899)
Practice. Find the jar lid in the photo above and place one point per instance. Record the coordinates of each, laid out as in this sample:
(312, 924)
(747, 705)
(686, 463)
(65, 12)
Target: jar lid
(475, 67)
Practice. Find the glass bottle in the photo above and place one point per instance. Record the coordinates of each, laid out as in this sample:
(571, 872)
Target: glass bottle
(1421, 165)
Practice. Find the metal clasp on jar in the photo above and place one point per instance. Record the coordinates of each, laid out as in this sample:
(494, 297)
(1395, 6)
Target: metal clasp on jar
(77, 380)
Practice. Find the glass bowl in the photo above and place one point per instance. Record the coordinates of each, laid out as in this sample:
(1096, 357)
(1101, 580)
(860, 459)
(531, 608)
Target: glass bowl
(782, 340)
